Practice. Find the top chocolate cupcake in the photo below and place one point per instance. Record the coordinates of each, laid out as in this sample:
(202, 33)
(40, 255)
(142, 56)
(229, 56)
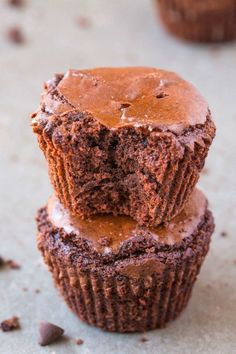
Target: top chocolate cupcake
(128, 141)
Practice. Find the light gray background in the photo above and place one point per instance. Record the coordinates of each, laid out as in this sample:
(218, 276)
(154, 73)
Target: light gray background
(122, 32)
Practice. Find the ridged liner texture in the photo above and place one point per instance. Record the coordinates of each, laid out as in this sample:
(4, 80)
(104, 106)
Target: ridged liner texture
(103, 291)
(148, 175)
(208, 24)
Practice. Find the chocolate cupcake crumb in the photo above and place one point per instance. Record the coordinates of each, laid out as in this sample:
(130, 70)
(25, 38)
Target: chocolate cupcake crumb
(15, 35)
(83, 22)
(9, 263)
(223, 234)
(1, 262)
(16, 3)
(49, 333)
(79, 341)
(12, 264)
(143, 339)
(10, 324)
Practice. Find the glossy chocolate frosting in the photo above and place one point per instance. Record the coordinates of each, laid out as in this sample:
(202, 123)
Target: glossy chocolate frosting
(129, 96)
(108, 233)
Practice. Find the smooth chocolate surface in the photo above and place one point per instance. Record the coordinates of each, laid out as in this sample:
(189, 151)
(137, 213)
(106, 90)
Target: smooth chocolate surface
(108, 232)
(129, 96)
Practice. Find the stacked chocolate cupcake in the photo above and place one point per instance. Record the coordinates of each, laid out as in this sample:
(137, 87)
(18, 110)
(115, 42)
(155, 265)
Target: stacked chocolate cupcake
(199, 20)
(126, 232)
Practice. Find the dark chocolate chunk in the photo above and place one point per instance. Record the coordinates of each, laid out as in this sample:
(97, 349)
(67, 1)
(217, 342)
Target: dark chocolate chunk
(49, 333)
(10, 324)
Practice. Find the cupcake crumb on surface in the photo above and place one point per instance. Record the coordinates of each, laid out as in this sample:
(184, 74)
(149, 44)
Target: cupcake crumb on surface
(15, 35)
(79, 341)
(10, 324)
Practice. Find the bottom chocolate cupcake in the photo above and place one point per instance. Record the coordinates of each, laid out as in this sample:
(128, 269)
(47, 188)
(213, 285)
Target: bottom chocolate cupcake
(122, 277)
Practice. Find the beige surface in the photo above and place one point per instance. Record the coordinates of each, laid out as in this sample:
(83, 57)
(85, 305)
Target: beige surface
(123, 32)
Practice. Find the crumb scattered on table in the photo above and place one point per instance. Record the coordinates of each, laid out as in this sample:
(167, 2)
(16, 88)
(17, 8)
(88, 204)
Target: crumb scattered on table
(15, 35)
(12, 264)
(1, 262)
(143, 339)
(83, 21)
(223, 234)
(79, 341)
(9, 263)
(10, 325)
(16, 3)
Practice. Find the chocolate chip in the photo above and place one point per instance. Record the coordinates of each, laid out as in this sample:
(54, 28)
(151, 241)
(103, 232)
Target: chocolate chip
(49, 333)
(79, 341)
(15, 35)
(10, 324)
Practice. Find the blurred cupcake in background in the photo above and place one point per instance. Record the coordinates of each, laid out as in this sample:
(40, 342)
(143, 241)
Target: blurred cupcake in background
(199, 20)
